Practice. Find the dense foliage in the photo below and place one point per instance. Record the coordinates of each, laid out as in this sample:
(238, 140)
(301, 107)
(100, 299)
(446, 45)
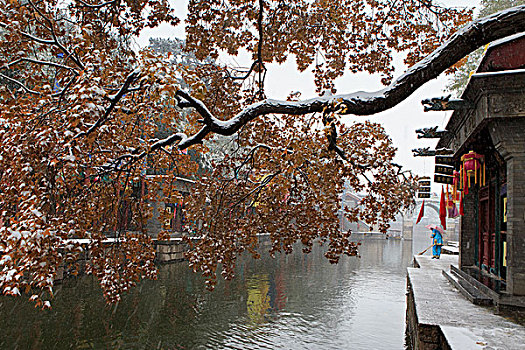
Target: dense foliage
(92, 130)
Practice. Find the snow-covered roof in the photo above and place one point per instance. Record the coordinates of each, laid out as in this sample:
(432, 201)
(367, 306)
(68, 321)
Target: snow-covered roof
(505, 40)
(503, 72)
(503, 58)
(504, 54)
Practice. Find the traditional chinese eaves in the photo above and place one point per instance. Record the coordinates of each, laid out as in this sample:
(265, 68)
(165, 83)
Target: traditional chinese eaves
(497, 90)
(504, 54)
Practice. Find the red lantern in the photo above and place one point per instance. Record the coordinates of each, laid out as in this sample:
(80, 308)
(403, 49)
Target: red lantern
(472, 164)
(456, 183)
(452, 210)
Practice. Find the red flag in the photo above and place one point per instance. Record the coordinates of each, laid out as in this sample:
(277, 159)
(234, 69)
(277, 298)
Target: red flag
(443, 210)
(461, 210)
(421, 212)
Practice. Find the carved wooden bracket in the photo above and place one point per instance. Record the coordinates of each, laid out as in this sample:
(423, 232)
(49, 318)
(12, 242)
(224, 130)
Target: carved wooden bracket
(423, 152)
(430, 133)
(444, 103)
(427, 152)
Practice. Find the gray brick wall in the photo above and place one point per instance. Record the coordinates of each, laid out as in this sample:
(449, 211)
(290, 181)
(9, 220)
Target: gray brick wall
(468, 225)
(516, 223)
(509, 139)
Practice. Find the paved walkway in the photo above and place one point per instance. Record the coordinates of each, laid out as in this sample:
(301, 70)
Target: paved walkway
(465, 325)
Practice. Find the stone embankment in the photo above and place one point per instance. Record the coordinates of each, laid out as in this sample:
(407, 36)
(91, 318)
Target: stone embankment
(165, 252)
(169, 251)
(439, 317)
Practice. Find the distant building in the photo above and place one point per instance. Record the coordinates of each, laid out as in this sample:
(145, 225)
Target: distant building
(175, 222)
(351, 200)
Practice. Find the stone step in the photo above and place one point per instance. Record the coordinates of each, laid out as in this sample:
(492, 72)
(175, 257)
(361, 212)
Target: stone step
(450, 250)
(466, 289)
(477, 284)
(472, 288)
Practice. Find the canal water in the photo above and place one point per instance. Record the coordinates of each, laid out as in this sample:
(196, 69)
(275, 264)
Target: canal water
(290, 302)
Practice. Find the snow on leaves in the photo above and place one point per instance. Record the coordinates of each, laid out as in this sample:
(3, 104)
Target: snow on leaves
(85, 120)
(75, 152)
(286, 183)
(355, 35)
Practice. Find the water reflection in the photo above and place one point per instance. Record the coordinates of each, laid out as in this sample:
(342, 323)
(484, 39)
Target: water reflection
(291, 302)
(258, 301)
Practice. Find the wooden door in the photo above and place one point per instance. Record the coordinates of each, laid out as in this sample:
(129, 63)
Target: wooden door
(487, 232)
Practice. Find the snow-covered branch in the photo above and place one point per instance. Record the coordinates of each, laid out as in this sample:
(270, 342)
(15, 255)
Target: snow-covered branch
(98, 6)
(474, 35)
(201, 108)
(45, 63)
(131, 78)
(168, 141)
(56, 43)
(25, 88)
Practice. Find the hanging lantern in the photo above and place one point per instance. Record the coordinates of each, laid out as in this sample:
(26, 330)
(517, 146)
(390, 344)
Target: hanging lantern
(461, 209)
(456, 185)
(473, 167)
(452, 210)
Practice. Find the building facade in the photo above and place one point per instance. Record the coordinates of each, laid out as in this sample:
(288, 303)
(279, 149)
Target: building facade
(489, 134)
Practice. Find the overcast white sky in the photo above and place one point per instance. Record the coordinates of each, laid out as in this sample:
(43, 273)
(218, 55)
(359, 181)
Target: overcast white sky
(400, 122)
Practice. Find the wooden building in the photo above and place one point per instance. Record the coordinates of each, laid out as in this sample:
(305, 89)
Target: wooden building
(492, 126)
(176, 221)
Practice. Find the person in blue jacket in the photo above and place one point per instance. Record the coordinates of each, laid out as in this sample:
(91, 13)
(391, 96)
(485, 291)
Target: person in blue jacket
(437, 242)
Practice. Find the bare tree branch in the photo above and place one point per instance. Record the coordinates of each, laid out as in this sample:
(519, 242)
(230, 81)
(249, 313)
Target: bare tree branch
(26, 89)
(259, 61)
(243, 77)
(250, 156)
(62, 92)
(257, 189)
(262, 68)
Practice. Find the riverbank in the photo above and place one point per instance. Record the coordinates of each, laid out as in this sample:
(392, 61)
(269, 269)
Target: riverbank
(166, 251)
(439, 317)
